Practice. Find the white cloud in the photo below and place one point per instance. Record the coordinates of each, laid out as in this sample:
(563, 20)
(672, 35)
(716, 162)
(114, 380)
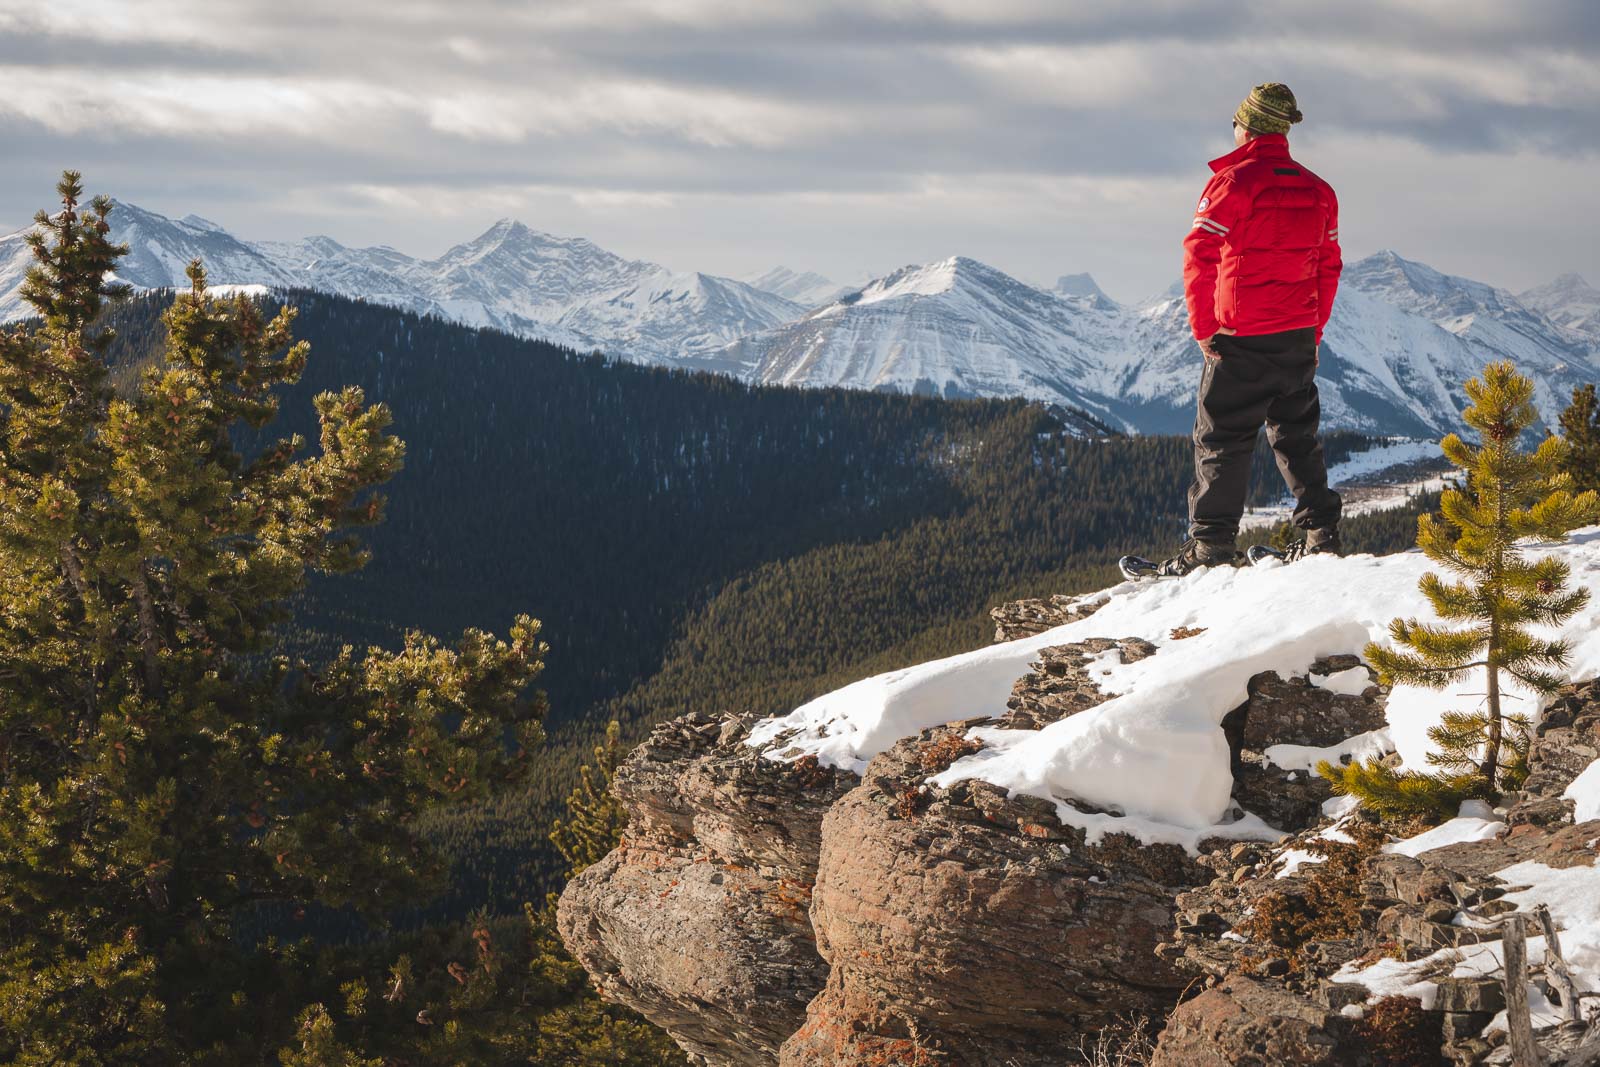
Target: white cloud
(469, 49)
(837, 133)
(122, 21)
(75, 100)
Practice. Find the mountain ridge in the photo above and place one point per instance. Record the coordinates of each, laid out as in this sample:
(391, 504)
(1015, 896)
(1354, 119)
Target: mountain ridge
(1403, 336)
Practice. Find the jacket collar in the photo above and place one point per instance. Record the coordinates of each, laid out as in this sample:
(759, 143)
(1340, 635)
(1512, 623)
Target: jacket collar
(1267, 146)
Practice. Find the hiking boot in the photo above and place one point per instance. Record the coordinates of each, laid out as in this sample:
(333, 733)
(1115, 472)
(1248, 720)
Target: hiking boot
(1314, 543)
(1195, 554)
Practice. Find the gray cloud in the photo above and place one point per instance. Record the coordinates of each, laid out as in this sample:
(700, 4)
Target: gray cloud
(727, 136)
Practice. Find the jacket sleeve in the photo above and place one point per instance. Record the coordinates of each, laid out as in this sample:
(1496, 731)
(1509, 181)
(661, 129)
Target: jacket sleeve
(1330, 261)
(1221, 208)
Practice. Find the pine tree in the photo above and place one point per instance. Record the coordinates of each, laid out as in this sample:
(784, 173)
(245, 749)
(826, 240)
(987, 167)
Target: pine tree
(1580, 425)
(164, 775)
(595, 819)
(1513, 498)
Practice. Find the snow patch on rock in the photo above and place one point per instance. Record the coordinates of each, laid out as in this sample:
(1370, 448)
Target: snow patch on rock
(1153, 754)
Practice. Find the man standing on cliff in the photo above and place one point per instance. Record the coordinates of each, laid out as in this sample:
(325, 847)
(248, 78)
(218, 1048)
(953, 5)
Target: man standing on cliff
(1261, 264)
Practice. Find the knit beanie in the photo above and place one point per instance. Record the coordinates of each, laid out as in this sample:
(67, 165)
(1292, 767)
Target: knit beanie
(1268, 109)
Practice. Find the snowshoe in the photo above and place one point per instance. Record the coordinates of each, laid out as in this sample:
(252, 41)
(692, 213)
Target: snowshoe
(1193, 555)
(1318, 543)
(1134, 568)
(1260, 553)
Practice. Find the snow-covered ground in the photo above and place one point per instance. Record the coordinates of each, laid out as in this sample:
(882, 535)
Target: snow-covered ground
(1370, 481)
(1154, 754)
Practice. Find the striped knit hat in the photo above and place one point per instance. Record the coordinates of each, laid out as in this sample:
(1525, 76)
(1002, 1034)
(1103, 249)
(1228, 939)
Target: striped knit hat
(1268, 109)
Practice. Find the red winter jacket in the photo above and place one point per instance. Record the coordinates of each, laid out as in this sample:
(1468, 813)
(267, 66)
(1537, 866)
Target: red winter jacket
(1263, 253)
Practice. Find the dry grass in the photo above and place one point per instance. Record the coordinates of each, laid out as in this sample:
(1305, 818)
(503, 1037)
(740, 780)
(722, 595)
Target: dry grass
(1125, 1042)
(1327, 903)
(936, 756)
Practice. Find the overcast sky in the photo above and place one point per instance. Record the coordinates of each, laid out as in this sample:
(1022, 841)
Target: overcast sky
(1043, 136)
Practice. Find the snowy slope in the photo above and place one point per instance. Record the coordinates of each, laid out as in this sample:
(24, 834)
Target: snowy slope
(952, 328)
(1155, 751)
(510, 277)
(159, 251)
(808, 288)
(1568, 301)
(1402, 339)
(1493, 322)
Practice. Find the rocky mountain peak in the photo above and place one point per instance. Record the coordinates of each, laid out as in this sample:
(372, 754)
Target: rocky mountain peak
(1079, 285)
(1402, 339)
(1569, 301)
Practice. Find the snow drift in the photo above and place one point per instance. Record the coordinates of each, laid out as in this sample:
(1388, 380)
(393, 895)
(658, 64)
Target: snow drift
(1153, 756)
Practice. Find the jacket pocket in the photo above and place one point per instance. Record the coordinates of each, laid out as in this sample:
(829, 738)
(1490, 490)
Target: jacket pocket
(1230, 294)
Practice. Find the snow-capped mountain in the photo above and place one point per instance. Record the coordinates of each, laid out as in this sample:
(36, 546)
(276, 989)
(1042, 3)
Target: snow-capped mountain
(1081, 285)
(953, 328)
(1402, 339)
(159, 250)
(380, 274)
(1568, 301)
(1492, 320)
(511, 277)
(15, 259)
(806, 288)
(961, 328)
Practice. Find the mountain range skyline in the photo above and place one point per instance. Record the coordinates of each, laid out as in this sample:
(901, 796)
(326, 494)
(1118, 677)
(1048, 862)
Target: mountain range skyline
(826, 136)
(792, 280)
(1402, 339)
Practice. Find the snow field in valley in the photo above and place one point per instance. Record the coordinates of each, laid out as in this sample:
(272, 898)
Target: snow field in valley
(1364, 465)
(1153, 754)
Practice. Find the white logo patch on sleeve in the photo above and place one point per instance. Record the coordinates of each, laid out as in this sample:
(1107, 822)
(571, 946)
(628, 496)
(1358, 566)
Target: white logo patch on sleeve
(1205, 202)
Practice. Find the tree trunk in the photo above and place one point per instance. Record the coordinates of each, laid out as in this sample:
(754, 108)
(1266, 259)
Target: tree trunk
(1490, 767)
(74, 568)
(149, 639)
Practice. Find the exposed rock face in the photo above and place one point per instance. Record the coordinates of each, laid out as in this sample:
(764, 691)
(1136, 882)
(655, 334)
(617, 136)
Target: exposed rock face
(1567, 740)
(698, 921)
(1295, 711)
(784, 915)
(1244, 1022)
(1061, 682)
(1024, 618)
(966, 928)
(1408, 908)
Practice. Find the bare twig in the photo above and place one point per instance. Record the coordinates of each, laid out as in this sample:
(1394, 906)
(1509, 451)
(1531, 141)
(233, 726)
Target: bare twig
(1555, 969)
(1587, 1054)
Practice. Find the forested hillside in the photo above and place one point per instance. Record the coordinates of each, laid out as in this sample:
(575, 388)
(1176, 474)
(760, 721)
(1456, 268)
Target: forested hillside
(692, 542)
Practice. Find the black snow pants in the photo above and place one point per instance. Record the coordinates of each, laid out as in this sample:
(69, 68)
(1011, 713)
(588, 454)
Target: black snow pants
(1270, 380)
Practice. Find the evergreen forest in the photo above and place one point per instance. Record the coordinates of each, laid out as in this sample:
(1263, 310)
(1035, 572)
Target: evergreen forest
(692, 542)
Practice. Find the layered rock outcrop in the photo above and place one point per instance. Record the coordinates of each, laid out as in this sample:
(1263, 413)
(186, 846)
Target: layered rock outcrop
(1267, 989)
(783, 914)
(964, 927)
(699, 920)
